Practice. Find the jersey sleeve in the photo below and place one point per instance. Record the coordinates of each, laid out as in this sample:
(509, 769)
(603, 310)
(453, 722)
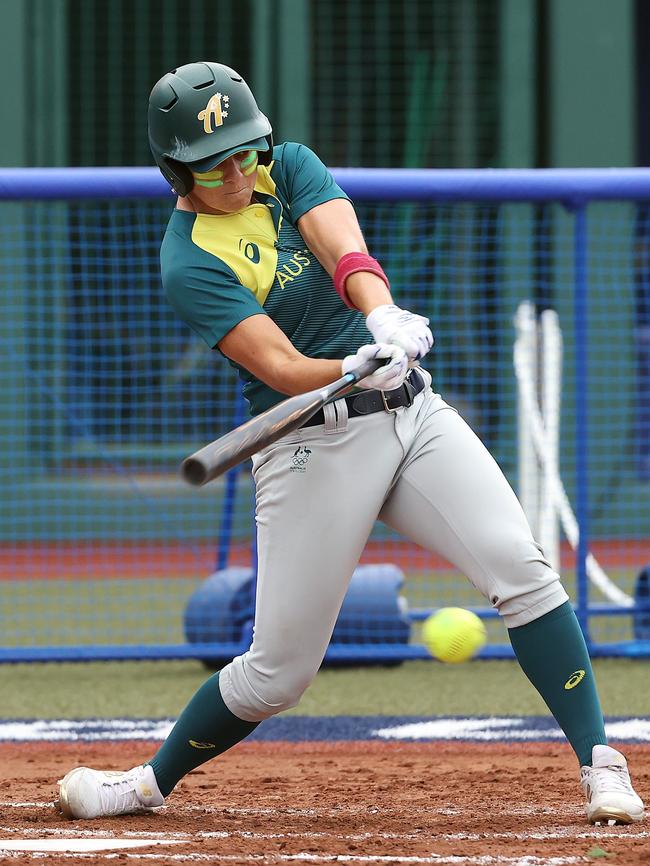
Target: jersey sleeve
(210, 300)
(308, 181)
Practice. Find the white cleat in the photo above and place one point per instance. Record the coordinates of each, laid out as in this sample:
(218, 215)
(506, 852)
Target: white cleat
(611, 799)
(86, 793)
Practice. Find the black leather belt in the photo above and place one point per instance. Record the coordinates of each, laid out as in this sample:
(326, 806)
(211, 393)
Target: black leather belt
(367, 402)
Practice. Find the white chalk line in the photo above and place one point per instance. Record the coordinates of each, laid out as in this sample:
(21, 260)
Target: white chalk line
(68, 845)
(627, 832)
(39, 804)
(480, 860)
(337, 811)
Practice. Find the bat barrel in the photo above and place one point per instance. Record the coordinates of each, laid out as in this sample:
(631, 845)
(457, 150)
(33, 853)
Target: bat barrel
(240, 444)
(221, 455)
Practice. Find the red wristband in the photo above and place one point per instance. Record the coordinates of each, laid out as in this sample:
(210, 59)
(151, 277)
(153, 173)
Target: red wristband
(352, 263)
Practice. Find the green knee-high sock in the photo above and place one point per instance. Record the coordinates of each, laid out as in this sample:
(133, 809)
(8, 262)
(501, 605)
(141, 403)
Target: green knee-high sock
(552, 653)
(205, 728)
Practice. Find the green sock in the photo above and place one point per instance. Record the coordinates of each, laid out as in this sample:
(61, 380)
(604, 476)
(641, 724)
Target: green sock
(205, 728)
(552, 653)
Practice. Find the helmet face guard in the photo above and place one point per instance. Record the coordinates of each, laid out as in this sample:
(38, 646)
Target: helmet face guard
(199, 115)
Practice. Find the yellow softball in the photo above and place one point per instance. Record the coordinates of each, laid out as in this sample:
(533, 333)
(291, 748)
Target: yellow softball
(453, 634)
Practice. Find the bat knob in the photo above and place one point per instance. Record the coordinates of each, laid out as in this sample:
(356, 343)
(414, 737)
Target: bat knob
(194, 471)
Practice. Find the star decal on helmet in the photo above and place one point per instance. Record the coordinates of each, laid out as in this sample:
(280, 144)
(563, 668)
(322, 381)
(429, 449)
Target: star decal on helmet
(216, 109)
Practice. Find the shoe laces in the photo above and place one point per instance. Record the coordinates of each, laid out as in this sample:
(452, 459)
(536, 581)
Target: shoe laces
(116, 790)
(613, 778)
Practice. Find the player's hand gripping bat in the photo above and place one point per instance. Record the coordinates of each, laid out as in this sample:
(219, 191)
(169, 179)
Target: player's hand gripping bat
(238, 445)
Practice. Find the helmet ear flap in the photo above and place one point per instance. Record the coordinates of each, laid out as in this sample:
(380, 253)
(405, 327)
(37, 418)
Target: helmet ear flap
(177, 175)
(265, 157)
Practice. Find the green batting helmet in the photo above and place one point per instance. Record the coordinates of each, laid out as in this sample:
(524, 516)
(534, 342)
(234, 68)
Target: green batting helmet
(199, 115)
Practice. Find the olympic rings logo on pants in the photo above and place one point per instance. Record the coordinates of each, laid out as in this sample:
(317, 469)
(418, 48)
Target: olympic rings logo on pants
(300, 459)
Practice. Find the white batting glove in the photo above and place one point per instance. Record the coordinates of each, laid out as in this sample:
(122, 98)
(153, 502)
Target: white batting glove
(386, 378)
(391, 324)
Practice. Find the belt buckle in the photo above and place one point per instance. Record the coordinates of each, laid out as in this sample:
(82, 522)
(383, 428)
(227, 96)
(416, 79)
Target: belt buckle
(410, 395)
(385, 402)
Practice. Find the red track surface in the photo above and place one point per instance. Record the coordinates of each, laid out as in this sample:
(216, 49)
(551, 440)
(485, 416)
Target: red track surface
(159, 559)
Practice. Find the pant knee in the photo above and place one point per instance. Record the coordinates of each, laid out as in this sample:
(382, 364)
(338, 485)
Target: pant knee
(521, 609)
(254, 694)
(517, 579)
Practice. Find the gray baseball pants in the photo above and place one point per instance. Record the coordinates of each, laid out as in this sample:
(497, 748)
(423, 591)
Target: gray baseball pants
(422, 471)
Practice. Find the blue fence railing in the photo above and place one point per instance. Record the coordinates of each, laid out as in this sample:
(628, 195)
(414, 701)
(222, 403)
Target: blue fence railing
(566, 185)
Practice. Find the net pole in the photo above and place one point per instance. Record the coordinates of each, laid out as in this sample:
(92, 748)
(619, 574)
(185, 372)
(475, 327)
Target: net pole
(528, 464)
(568, 521)
(580, 324)
(551, 376)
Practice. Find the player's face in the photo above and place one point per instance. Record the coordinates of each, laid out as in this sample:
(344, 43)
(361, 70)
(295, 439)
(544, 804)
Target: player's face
(228, 187)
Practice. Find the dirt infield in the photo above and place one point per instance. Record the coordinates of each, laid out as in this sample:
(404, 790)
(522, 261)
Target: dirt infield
(364, 802)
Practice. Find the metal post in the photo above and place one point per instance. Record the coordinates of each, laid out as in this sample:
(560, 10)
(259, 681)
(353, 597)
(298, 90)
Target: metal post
(466, 82)
(517, 125)
(591, 82)
(261, 62)
(581, 330)
(14, 406)
(294, 59)
(47, 141)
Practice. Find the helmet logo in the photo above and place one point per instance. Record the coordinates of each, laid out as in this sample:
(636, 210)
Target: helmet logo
(216, 108)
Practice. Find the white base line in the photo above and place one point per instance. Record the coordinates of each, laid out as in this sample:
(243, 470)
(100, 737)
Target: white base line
(626, 832)
(564, 812)
(36, 805)
(434, 859)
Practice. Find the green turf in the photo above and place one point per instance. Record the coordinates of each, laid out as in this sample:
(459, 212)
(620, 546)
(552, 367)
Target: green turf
(69, 612)
(157, 689)
(135, 611)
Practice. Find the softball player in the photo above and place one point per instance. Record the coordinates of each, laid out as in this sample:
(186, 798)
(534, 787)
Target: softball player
(263, 257)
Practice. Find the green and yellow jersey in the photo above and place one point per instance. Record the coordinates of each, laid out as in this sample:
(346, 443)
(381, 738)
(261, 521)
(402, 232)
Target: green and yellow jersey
(218, 269)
